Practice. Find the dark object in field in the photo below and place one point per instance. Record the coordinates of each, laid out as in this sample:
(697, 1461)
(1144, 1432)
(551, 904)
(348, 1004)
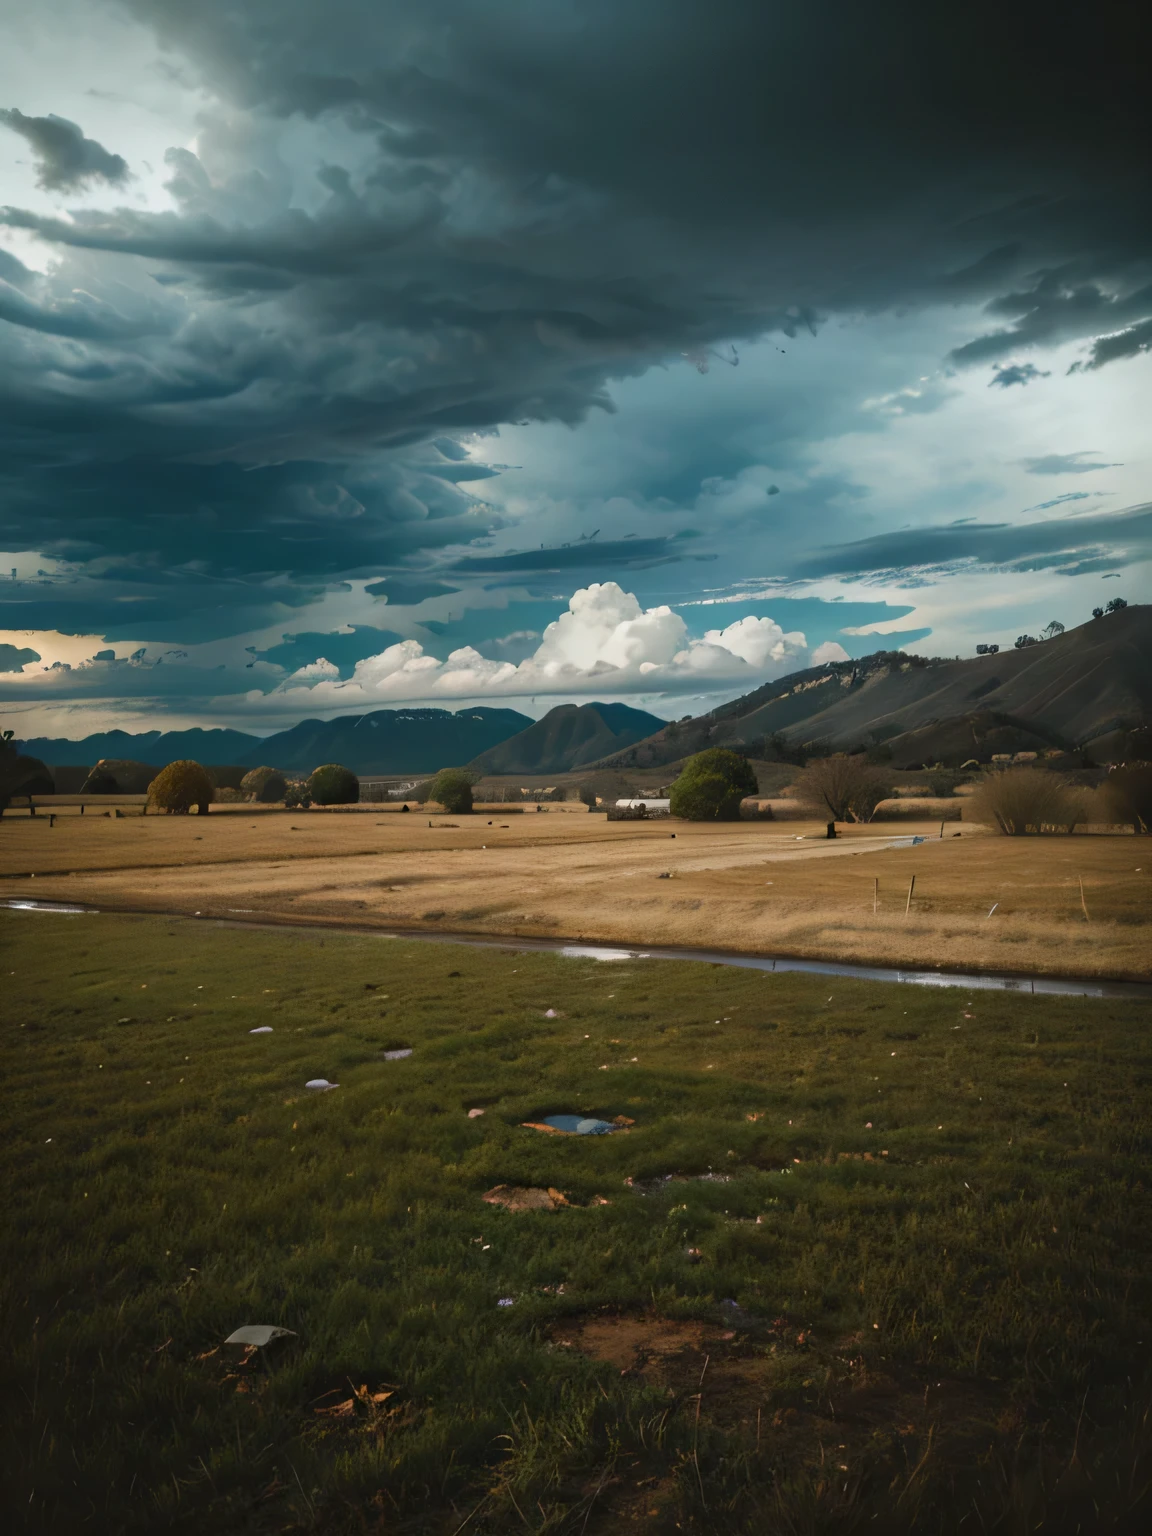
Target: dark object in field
(405, 808)
(830, 831)
(515, 1198)
(577, 1125)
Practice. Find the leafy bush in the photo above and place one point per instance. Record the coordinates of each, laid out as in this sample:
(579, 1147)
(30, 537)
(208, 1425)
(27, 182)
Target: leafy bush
(846, 788)
(333, 784)
(712, 785)
(1128, 795)
(264, 785)
(452, 788)
(296, 796)
(1017, 801)
(180, 786)
(1116, 604)
(587, 795)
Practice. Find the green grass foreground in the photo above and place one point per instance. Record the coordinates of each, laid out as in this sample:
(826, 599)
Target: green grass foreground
(951, 1336)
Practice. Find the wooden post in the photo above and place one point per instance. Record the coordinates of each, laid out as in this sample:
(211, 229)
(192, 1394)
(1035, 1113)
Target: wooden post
(911, 888)
(875, 893)
(941, 830)
(1083, 903)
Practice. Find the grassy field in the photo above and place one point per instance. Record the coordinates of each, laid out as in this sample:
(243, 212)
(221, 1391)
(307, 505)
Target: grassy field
(870, 1257)
(980, 901)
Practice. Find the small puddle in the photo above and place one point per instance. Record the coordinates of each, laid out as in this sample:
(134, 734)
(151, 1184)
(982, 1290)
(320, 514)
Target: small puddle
(16, 905)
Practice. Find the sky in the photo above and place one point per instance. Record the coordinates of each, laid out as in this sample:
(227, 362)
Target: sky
(443, 352)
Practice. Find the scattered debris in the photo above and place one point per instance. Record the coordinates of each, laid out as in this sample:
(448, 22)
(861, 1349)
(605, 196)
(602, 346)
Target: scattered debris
(261, 1029)
(506, 1301)
(257, 1335)
(362, 1403)
(577, 1125)
(397, 1055)
(515, 1198)
(474, 1114)
(320, 1084)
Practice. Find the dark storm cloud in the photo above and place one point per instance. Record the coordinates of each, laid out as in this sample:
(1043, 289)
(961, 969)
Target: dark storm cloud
(583, 555)
(534, 199)
(1017, 373)
(14, 658)
(1070, 545)
(1107, 349)
(65, 159)
(1083, 462)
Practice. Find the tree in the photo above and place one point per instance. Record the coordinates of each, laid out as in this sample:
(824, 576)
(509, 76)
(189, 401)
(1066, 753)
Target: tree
(333, 784)
(847, 788)
(21, 775)
(264, 785)
(1116, 604)
(1050, 631)
(587, 793)
(296, 796)
(180, 786)
(452, 788)
(1024, 641)
(711, 786)
(1097, 613)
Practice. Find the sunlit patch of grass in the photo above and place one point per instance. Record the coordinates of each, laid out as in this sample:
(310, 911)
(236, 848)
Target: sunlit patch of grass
(911, 1224)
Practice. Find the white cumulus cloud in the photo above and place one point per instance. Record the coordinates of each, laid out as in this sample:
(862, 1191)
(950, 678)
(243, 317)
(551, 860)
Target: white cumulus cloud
(605, 643)
(831, 650)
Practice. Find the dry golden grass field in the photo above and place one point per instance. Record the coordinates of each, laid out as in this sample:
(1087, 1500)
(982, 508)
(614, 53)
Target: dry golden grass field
(773, 888)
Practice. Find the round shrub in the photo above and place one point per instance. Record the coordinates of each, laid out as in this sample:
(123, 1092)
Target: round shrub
(333, 785)
(296, 796)
(452, 788)
(265, 785)
(712, 785)
(180, 787)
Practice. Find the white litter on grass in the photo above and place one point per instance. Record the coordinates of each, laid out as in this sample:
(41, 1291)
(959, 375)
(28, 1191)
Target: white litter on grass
(551, 1013)
(474, 1114)
(261, 1029)
(259, 1334)
(320, 1084)
(506, 1301)
(397, 1055)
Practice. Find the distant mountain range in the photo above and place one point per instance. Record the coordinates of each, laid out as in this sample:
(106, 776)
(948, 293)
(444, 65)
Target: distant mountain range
(390, 740)
(156, 747)
(1086, 688)
(1083, 689)
(567, 738)
(385, 741)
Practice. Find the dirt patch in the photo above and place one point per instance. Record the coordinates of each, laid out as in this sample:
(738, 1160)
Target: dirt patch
(814, 1398)
(512, 1198)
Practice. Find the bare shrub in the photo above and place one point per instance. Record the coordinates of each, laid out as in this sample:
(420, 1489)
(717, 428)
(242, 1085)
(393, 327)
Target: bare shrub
(847, 788)
(1020, 800)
